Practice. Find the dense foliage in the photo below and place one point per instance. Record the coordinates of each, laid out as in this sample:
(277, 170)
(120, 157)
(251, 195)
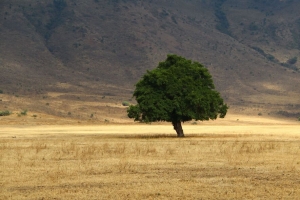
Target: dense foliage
(178, 90)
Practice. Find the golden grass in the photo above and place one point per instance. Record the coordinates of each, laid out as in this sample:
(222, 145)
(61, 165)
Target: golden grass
(149, 166)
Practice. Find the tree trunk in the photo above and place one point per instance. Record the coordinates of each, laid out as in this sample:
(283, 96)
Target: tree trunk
(178, 128)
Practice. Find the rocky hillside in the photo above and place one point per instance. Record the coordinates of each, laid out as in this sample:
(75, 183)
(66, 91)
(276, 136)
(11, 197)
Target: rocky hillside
(103, 47)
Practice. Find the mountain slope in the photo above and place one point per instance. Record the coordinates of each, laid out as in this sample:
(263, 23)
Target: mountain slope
(103, 47)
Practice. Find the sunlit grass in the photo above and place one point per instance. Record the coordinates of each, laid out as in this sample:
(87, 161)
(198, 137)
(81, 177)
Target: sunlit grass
(148, 166)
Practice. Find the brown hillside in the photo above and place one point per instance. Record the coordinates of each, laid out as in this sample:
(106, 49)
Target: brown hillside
(83, 57)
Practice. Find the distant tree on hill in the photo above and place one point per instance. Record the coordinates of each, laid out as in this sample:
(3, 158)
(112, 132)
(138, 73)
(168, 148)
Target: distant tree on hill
(178, 90)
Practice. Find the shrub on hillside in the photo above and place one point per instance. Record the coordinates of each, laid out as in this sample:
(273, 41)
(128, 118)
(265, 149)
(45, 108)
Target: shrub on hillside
(125, 103)
(1, 91)
(4, 113)
(24, 112)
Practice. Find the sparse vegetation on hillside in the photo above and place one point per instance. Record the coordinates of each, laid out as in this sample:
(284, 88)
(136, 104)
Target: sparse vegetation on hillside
(56, 18)
(4, 113)
(222, 23)
(24, 112)
(288, 114)
(52, 16)
(290, 63)
(268, 56)
(292, 60)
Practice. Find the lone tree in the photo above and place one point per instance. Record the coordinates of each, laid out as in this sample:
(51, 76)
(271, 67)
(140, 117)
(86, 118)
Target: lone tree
(178, 90)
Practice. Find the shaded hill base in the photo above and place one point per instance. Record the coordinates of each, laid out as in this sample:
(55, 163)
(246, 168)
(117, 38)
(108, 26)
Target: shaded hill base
(73, 108)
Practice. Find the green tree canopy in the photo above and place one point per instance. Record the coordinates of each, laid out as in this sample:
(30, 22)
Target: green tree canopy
(178, 90)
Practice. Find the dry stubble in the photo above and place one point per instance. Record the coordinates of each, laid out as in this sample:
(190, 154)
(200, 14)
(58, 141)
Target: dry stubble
(149, 166)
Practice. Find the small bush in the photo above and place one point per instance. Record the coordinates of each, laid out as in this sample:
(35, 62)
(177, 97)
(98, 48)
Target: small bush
(1, 91)
(24, 112)
(298, 118)
(4, 113)
(125, 103)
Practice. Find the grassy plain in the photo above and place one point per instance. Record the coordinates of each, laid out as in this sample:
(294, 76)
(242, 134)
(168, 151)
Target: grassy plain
(249, 158)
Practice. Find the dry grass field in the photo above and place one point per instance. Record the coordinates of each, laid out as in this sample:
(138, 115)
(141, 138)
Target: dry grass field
(249, 158)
